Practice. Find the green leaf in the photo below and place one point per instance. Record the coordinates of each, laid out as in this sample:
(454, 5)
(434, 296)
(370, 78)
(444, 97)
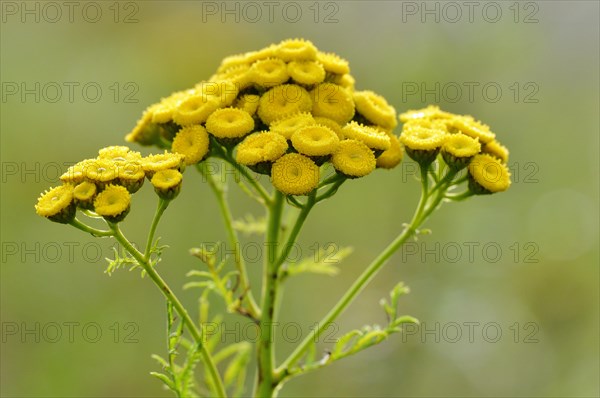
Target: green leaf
(165, 379)
(323, 262)
(250, 225)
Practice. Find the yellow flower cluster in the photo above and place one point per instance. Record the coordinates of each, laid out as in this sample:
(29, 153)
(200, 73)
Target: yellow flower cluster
(105, 184)
(288, 109)
(462, 142)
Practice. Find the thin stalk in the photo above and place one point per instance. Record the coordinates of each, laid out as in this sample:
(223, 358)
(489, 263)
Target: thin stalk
(360, 283)
(86, 228)
(160, 208)
(234, 241)
(265, 383)
(169, 295)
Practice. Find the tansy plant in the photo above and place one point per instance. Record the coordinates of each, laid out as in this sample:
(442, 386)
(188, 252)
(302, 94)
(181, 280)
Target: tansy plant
(292, 113)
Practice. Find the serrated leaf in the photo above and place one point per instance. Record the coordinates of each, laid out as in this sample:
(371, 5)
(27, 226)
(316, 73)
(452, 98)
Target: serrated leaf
(404, 319)
(343, 345)
(370, 338)
(165, 379)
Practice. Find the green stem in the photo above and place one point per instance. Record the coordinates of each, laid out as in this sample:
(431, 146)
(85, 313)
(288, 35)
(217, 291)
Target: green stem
(162, 206)
(86, 228)
(226, 156)
(265, 383)
(418, 218)
(234, 241)
(296, 229)
(169, 295)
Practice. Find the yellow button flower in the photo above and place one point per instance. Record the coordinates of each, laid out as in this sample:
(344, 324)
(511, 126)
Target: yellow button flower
(333, 102)
(458, 149)
(315, 141)
(430, 112)
(167, 183)
(306, 72)
(233, 61)
(375, 108)
(421, 138)
(488, 175)
(131, 175)
(333, 63)
(192, 142)
(162, 161)
(145, 131)
(247, 103)
(391, 157)
(195, 110)
(100, 171)
(331, 124)
(295, 174)
(113, 203)
(353, 159)
(296, 50)
(261, 147)
(461, 146)
(163, 112)
(57, 204)
(84, 194)
(112, 152)
(222, 91)
(375, 139)
(289, 125)
(229, 123)
(471, 127)
(269, 72)
(496, 149)
(283, 100)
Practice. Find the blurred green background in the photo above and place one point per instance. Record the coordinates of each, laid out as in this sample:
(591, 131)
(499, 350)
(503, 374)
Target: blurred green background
(532, 273)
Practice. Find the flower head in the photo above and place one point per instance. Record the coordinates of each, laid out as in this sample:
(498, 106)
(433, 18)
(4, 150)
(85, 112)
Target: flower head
(391, 157)
(57, 204)
(375, 108)
(144, 132)
(353, 158)
(269, 72)
(331, 124)
(261, 147)
(295, 174)
(283, 100)
(458, 149)
(247, 103)
(195, 109)
(113, 152)
(84, 194)
(131, 175)
(471, 127)
(229, 124)
(100, 171)
(287, 126)
(488, 175)
(167, 183)
(306, 72)
(192, 142)
(497, 150)
(333, 63)
(421, 138)
(430, 112)
(296, 50)
(113, 203)
(375, 139)
(315, 141)
(333, 102)
(162, 161)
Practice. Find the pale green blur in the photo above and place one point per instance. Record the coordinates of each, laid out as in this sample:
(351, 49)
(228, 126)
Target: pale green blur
(540, 291)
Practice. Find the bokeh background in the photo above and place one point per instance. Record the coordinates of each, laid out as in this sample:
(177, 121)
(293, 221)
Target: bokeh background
(506, 287)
